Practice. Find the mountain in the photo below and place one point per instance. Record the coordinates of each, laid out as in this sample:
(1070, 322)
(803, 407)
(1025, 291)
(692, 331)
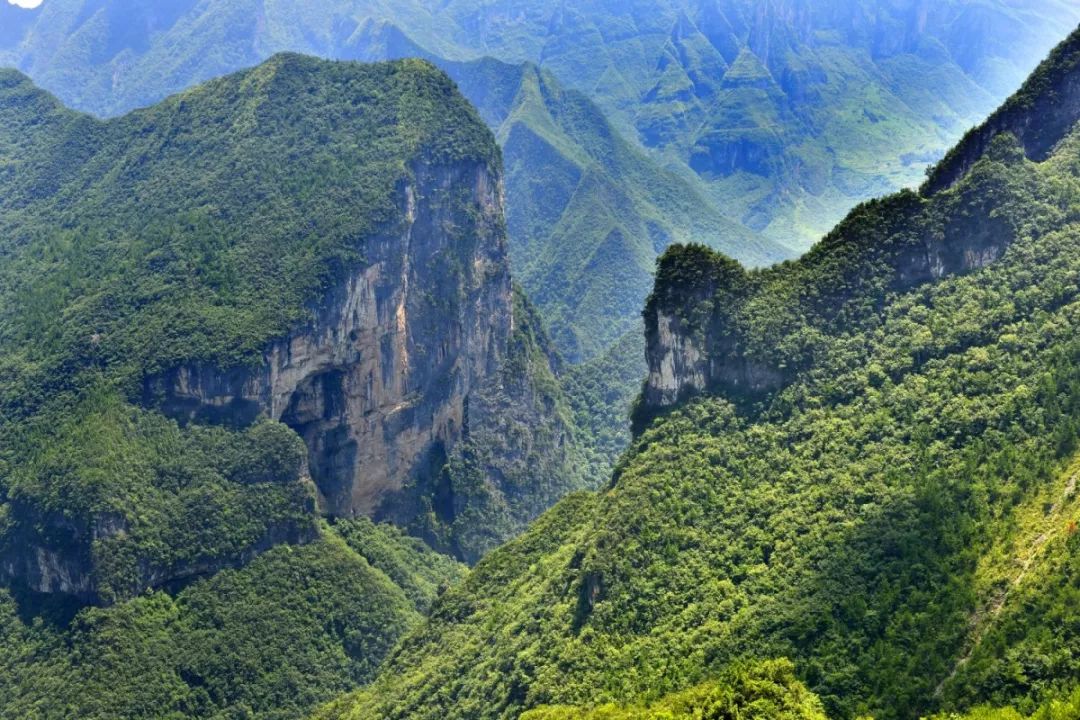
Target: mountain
(240, 327)
(233, 327)
(271, 639)
(864, 461)
(786, 113)
(752, 128)
(587, 211)
(789, 112)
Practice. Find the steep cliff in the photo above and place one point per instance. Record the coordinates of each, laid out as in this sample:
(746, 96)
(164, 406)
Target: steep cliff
(377, 384)
(519, 454)
(304, 251)
(1039, 115)
(712, 327)
(894, 509)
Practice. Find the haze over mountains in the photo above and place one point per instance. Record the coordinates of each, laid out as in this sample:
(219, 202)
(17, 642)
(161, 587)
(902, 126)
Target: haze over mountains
(421, 388)
(864, 461)
(777, 117)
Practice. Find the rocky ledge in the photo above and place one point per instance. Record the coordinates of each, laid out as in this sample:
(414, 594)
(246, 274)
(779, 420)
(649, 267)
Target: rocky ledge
(377, 383)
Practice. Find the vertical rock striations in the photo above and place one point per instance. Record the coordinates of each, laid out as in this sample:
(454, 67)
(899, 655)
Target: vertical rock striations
(1039, 115)
(713, 327)
(377, 382)
(293, 296)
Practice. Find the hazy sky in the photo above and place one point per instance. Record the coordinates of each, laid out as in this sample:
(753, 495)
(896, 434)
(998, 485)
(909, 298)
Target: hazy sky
(25, 3)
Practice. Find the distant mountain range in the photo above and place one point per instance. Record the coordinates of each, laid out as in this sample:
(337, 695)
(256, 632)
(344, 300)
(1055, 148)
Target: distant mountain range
(266, 375)
(750, 127)
(855, 477)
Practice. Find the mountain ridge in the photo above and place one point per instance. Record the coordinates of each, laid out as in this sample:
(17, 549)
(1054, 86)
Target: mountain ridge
(743, 136)
(717, 354)
(387, 219)
(852, 518)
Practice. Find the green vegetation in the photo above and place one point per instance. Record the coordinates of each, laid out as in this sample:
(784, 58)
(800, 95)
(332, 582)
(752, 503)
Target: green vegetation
(410, 563)
(860, 517)
(767, 691)
(587, 211)
(157, 569)
(523, 451)
(116, 267)
(154, 500)
(783, 116)
(269, 641)
(1023, 640)
(1066, 708)
(601, 393)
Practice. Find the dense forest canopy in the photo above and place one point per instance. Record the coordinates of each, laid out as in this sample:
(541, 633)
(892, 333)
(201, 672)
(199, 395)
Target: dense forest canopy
(897, 517)
(852, 487)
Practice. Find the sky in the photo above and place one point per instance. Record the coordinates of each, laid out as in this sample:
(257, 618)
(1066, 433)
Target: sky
(28, 4)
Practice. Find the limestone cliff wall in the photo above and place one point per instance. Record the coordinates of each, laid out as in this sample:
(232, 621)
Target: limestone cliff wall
(377, 382)
(705, 321)
(698, 334)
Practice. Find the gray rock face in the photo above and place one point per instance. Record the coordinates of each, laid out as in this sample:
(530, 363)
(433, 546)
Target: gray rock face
(695, 337)
(681, 366)
(52, 570)
(377, 383)
(712, 327)
(691, 348)
(64, 563)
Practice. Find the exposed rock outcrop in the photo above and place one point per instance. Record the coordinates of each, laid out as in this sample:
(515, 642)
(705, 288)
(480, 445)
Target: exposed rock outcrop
(706, 318)
(377, 383)
(1039, 116)
(518, 455)
(59, 559)
(691, 330)
(712, 327)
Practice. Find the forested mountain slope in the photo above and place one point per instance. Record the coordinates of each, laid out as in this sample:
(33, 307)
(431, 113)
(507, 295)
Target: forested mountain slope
(878, 483)
(766, 122)
(587, 211)
(281, 295)
(788, 112)
(270, 640)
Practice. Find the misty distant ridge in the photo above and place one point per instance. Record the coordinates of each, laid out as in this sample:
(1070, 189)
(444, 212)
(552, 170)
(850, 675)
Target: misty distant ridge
(534, 360)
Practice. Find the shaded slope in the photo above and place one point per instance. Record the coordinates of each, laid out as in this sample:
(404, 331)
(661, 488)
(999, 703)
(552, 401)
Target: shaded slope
(270, 640)
(840, 518)
(587, 212)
